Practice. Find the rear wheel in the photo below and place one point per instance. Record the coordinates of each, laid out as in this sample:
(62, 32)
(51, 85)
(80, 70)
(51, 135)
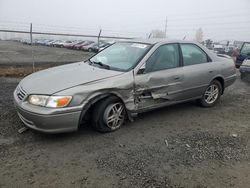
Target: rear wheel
(108, 115)
(211, 95)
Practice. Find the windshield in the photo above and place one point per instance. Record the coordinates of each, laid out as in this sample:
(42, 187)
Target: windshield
(121, 56)
(245, 48)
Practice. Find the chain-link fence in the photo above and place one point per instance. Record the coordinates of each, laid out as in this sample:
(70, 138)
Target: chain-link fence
(24, 50)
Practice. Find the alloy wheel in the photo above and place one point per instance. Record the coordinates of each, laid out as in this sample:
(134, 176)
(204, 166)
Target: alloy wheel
(114, 115)
(211, 94)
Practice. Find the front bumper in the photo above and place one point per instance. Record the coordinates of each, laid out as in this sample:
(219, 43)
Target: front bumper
(48, 123)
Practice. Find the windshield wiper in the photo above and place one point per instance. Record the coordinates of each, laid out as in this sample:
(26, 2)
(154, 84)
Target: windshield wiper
(100, 64)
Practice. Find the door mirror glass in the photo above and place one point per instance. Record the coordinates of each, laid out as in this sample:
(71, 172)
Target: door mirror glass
(142, 69)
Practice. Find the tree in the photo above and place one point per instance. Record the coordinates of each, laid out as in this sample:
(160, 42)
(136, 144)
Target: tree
(157, 34)
(199, 35)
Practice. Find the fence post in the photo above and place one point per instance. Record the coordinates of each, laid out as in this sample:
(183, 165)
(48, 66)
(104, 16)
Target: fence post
(98, 39)
(31, 44)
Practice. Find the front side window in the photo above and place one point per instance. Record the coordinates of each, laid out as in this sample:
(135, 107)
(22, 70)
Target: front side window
(121, 56)
(245, 48)
(193, 55)
(164, 57)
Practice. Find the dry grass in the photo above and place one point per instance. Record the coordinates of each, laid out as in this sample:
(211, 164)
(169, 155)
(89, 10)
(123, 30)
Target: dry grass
(18, 71)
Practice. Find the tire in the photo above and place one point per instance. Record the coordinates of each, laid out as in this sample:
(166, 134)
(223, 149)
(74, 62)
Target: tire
(90, 50)
(208, 99)
(104, 110)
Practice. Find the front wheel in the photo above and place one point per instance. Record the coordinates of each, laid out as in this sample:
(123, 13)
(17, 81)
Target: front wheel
(211, 95)
(108, 115)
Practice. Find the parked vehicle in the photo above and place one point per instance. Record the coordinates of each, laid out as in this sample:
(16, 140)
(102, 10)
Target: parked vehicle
(245, 69)
(244, 54)
(26, 41)
(91, 47)
(81, 44)
(218, 49)
(75, 46)
(67, 43)
(71, 45)
(121, 81)
(58, 44)
(78, 45)
(104, 45)
(229, 50)
(85, 44)
(53, 42)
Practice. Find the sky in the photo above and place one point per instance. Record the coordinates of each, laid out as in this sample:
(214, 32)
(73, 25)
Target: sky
(219, 19)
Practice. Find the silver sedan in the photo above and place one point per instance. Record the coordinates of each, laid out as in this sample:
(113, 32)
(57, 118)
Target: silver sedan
(121, 81)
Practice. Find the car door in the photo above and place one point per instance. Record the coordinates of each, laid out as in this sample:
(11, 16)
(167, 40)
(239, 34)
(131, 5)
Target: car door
(198, 70)
(161, 78)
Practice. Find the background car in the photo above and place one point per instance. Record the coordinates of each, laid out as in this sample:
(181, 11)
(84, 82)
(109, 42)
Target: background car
(245, 69)
(58, 43)
(87, 42)
(218, 49)
(91, 47)
(72, 44)
(244, 54)
(67, 44)
(76, 45)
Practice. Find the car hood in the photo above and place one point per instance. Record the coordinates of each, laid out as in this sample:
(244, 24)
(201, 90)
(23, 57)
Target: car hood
(59, 78)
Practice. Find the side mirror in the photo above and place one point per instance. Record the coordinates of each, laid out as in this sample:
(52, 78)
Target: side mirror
(142, 69)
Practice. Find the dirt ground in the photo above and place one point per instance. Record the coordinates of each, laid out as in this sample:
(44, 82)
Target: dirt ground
(177, 146)
(18, 54)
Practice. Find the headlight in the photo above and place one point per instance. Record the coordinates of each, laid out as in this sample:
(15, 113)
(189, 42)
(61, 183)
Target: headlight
(49, 101)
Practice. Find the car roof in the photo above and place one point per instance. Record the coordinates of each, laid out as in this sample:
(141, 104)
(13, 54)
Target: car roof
(157, 40)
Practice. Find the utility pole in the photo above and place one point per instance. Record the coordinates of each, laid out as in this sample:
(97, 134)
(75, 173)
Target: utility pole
(31, 44)
(98, 39)
(166, 25)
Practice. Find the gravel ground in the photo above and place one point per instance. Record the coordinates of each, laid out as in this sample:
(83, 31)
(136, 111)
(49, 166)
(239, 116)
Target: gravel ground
(178, 146)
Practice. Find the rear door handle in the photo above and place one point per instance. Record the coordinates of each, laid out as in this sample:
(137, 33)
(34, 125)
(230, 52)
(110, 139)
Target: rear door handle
(211, 71)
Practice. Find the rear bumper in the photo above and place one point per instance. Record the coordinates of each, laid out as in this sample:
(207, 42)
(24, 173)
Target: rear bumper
(230, 80)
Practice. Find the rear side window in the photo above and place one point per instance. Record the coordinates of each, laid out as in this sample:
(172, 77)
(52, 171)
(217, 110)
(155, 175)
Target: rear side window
(193, 55)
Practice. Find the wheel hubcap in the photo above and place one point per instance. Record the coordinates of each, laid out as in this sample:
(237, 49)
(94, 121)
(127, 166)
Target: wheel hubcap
(211, 94)
(114, 115)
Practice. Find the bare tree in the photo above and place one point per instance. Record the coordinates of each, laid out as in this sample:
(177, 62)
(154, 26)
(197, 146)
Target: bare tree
(157, 34)
(199, 35)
